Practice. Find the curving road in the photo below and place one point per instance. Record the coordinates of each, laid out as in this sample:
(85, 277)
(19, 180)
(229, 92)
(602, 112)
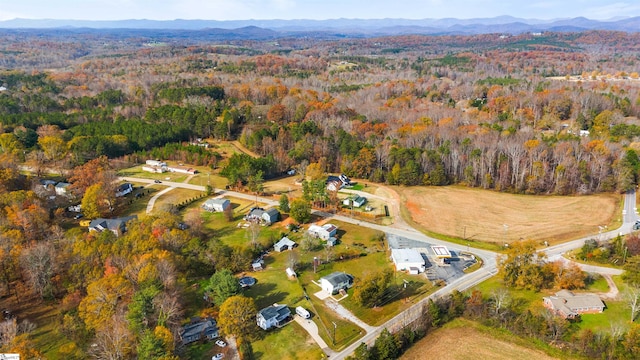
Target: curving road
(489, 258)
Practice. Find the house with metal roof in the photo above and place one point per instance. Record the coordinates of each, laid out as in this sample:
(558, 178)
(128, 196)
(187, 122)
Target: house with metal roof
(273, 316)
(570, 305)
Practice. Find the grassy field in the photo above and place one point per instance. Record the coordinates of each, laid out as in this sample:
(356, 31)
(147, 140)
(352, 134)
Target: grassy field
(464, 339)
(279, 344)
(498, 218)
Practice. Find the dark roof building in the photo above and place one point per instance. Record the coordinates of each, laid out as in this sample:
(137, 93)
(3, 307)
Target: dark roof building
(274, 315)
(118, 226)
(197, 330)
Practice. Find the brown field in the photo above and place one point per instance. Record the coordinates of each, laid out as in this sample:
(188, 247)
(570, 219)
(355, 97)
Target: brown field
(466, 342)
(481, 215)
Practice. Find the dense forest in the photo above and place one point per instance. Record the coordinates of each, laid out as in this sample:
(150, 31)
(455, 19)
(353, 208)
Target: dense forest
(555, 113)
(540, 114)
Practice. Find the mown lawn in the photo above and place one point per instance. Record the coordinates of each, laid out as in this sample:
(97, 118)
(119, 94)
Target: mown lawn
(288, 343)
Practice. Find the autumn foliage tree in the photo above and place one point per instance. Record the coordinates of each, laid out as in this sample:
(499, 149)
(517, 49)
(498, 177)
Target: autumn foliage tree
(238, 317)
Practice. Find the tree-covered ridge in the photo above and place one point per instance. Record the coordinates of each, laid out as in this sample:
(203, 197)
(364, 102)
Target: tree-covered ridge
(475, 110)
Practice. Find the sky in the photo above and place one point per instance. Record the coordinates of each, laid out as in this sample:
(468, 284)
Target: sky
(313, 9)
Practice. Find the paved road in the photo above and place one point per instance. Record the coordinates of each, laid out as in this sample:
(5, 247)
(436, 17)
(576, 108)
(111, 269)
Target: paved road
(489, 258)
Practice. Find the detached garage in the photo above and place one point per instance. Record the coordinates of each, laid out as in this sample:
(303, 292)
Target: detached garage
(408, 260)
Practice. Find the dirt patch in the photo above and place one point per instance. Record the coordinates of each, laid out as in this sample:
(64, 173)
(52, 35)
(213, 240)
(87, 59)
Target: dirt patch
(502, 218)
(465, 342)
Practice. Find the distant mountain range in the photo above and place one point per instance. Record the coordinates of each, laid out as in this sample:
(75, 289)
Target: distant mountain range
(348, 27)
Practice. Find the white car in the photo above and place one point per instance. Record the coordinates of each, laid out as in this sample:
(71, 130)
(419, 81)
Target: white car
(218, 356)
(221, 343)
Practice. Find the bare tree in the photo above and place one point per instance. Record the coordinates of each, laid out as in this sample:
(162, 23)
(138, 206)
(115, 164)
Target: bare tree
(632, 297)
(8, 331)
(253, 232)
(501, 299)
(39, 267)
(113, 342)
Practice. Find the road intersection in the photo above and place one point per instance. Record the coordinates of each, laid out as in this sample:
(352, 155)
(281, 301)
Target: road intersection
(489, 258)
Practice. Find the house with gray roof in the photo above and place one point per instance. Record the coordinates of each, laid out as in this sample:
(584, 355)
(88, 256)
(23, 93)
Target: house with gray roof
(273, 316)
(199, 329)
(335, 282)
(284, 244)
(216, 205)
(570, 305)
(266, 217)
(118, 226)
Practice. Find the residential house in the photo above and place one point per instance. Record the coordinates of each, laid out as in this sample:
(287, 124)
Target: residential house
(62, 188)
(124, 189)
(324, 232)
(266, 217)
(284, 244)
(118, 226)
(274, 315)
(570, 305)
(182, 169)
(156, 163)
(335, 183)
(408, 260)
(218, 205)
(199, 329)
(154, 169)
(356, 200)
(335, 282)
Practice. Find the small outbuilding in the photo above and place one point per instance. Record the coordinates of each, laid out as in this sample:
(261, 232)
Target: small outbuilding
(216, 205)
(284, 244)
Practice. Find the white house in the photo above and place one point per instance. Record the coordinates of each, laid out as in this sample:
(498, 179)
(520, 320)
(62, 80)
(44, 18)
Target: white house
(154, 169)
(408, 260)
(274, 315)
(284, 244)
(324, 232)
(156, 163)
(267, 217)
(182, 169)
(357, 200)
(124, 189)
(335, 282)
(61, 188)
(214, 205)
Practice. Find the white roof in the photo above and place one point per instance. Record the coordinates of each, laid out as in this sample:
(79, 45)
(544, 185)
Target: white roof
(441, 251)
(406, 256)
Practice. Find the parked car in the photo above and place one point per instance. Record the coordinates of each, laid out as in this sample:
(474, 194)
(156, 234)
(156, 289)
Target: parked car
(636, 226)
(157, 181)
(217, 356)
(78, 216)
(221, 343)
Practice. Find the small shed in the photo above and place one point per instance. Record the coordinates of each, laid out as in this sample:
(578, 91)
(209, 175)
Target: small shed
(284, 244)
(291, 274)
